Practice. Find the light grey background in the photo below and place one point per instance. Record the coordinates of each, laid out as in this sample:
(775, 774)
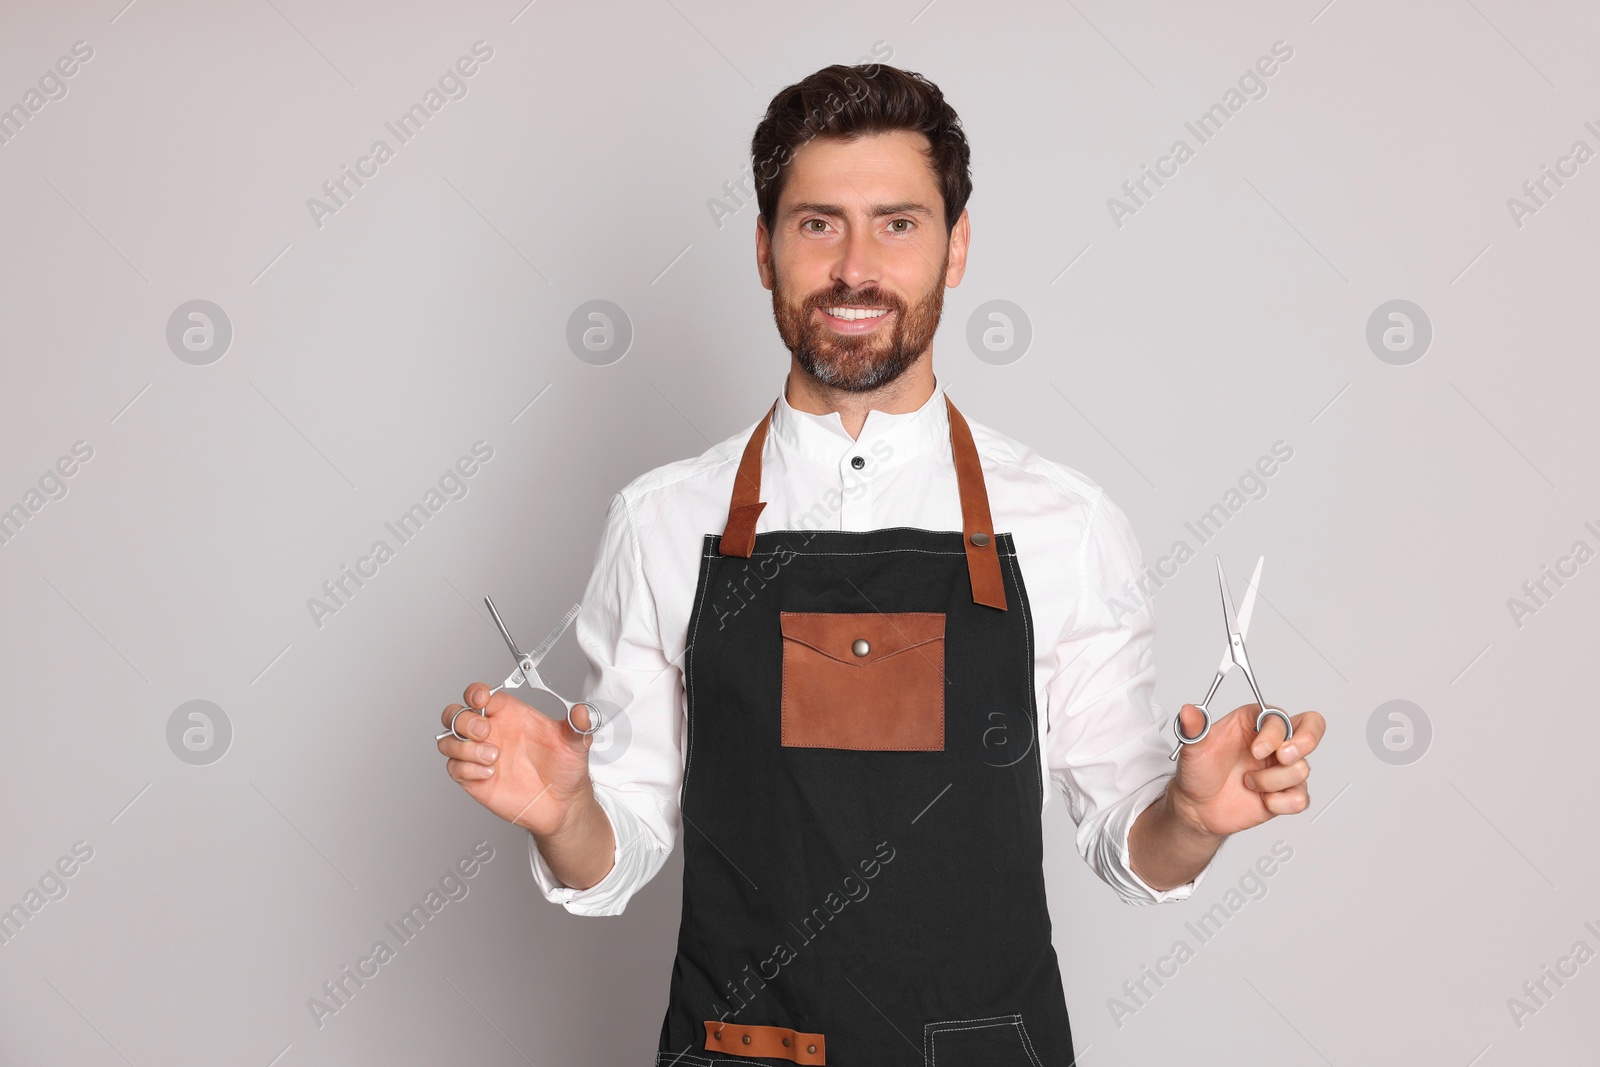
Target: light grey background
(1167, 355)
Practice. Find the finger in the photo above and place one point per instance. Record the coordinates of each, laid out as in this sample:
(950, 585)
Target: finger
(465, 771)
(477, 695)
(1309, 726)
(1273, 779)
(471, 751)
(1288, 801)
(1271, 734)
(471, 724)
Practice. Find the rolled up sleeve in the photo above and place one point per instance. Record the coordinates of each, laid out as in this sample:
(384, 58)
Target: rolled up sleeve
(1105, 747)
(635, 761)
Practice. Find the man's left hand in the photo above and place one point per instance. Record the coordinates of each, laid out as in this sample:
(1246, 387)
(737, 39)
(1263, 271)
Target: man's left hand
(1237, 778)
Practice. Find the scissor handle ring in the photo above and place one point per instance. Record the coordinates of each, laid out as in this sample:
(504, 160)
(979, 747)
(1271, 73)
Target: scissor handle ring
(458, 714)
(595, 722)
(1177, 727)
(1287, 725)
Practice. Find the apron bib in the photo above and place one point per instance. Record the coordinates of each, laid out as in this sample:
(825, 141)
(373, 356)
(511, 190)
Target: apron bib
(863, 880)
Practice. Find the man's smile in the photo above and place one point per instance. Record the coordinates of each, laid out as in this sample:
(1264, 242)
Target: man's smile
(849, 319)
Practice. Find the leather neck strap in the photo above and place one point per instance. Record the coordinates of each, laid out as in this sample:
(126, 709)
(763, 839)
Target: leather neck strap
(983, 560)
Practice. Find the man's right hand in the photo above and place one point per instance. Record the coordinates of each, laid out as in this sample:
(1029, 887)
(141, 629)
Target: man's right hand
(527, 768)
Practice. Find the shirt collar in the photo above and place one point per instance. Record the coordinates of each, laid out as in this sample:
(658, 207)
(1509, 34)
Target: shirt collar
(823, 438)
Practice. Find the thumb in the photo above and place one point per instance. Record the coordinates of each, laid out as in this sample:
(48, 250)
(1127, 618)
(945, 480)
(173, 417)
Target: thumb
(583, 717)
(1192, 719)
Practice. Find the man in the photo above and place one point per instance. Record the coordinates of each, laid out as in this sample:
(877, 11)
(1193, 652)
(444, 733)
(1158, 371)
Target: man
(820, 637)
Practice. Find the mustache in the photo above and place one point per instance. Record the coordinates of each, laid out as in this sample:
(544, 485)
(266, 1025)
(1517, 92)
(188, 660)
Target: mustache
(865, 297)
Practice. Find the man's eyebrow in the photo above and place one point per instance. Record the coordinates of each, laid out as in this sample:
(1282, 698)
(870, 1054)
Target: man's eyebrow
(907, 207)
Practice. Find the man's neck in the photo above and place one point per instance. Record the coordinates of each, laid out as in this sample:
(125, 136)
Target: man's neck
(906, 393)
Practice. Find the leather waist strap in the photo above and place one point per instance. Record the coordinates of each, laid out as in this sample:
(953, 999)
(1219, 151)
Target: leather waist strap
(769, 1041)
(977, 526)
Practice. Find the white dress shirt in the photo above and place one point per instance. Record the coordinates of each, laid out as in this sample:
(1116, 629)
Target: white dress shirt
(1102, 740)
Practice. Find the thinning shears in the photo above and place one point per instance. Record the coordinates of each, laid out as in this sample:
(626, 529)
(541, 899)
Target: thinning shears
(1233, 655)
(527, 673)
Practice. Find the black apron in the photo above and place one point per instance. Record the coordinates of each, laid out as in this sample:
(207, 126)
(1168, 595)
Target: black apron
(863, 880)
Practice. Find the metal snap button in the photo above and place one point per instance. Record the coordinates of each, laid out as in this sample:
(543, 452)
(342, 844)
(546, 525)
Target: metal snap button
(980, 539)
(857, 462)
(861, 648)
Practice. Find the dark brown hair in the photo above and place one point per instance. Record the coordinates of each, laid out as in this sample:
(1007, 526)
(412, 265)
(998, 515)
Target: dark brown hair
(847, 102)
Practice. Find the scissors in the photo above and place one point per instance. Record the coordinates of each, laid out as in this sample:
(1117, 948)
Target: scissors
(527, 673)
(1233, 655)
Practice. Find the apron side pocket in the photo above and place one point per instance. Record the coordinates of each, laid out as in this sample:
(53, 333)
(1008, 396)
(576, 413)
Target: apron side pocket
(995, 1041)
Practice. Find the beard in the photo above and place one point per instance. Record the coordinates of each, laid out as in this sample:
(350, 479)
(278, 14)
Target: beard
(857, 363)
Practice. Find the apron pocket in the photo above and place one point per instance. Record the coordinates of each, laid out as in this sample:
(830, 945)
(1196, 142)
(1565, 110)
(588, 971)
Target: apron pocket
(997, 1041)
(867, 680)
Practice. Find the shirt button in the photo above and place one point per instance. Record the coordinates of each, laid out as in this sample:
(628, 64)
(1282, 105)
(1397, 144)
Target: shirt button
(858, 462)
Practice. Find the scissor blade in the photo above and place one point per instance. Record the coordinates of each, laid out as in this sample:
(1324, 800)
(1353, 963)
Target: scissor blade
(553, 636)
(512, 645)
(1248, 604)
(1229, 617)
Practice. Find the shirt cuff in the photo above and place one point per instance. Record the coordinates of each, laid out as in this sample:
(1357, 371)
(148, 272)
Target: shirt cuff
(1130, 887)
(610, 895)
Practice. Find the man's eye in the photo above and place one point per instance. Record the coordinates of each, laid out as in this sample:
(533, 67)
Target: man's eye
(823, 222)
(897, 222)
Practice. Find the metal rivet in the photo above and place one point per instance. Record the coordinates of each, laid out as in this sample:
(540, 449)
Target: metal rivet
(980, 539)
(785, 1042)
(861, 648)
(811, 1048)
(717, 1035)
(746, 1039)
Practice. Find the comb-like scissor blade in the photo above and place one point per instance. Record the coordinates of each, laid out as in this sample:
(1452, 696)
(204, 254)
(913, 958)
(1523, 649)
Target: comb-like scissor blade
(553, 636)
(1248, 604)
(512, 645)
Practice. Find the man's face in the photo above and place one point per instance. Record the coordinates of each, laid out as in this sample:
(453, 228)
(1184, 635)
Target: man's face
(858, 258)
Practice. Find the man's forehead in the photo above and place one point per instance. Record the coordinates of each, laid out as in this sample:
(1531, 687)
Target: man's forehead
(867, 168)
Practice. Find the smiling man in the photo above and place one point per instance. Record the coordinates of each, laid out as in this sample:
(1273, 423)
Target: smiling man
(833, 680)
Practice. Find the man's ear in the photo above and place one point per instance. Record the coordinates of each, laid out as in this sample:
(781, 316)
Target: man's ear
(764, 252)
(960, 238)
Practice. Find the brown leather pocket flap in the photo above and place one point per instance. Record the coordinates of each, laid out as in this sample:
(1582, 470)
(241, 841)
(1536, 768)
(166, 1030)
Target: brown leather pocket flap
(834, 634)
